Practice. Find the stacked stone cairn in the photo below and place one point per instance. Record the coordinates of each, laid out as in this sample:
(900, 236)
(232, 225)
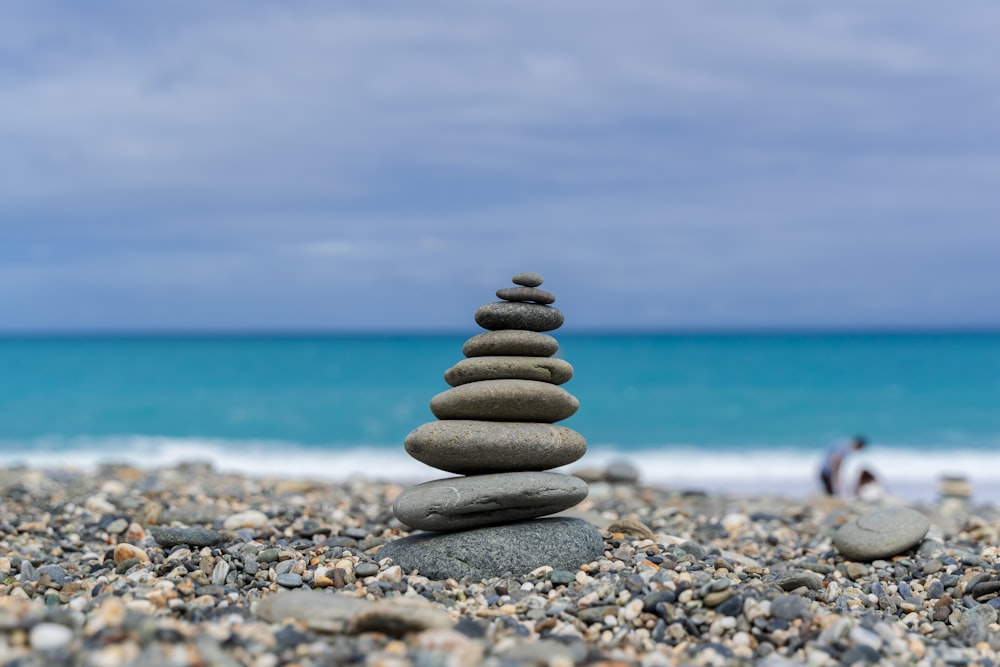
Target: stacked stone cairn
(496, 429)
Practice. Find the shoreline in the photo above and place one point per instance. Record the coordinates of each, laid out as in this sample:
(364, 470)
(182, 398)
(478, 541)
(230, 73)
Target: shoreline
(909, 474)
(290, 574)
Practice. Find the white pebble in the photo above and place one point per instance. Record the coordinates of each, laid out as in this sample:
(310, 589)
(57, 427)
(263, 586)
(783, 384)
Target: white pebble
(49, 637)
(248, 519)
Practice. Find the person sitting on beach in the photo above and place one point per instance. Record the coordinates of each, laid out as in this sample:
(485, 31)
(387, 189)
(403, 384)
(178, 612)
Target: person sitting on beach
(869, 487)
(830, 472)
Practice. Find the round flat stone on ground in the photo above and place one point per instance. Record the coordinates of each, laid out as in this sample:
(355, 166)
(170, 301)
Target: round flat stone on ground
(469, 447)
(881, 534)
(505, 400)
(518, 315)
(476, 369)
(457, 503)
(560, 542)
(512, 342)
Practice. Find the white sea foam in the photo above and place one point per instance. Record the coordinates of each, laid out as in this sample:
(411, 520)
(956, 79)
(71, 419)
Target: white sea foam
(907, 472)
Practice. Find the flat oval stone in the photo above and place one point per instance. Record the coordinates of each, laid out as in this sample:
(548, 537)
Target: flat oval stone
(457, 503)
(467, 447)
(525, 294)
(476, 369)
(881, 534)
(505, 400)
(514, 342)
(562, 543)
(518, 315)
(528, 279)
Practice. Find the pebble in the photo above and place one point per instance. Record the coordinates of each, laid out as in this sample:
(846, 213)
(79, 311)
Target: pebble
(248, 519)
(196, 537)
(882, 533)
(477, 369)
(458, 503)
(527, 279)
(47, 637)
(525, 294)
(518, 315)
(510, 342)
(469, 447)
(505, 400)
(125, 552)
(289, 580)
(789, 607)
(561, 543)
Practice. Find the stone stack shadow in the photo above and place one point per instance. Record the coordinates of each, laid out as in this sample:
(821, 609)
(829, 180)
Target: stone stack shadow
(496, 428)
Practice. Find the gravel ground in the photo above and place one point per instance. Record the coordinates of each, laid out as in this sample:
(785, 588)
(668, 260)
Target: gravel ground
(189, 566)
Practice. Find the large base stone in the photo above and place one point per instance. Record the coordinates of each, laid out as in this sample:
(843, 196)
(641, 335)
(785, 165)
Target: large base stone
(518, 548)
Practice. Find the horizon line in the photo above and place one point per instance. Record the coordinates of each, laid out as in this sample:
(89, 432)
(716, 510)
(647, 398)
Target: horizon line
(311, 332)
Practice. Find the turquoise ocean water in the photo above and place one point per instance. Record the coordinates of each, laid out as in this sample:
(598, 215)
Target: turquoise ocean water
(738, 412)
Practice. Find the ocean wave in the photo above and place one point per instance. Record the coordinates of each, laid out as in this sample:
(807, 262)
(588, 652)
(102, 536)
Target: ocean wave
(909, 472)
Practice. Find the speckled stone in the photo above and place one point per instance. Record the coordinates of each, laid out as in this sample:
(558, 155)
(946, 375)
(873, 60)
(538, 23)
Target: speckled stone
(505, 400)
(468, 447)
(518, 315)
(527, 279)
(559, 542)
(457, 503)
(881, 534)
(476, 369)
(526, 294)
(513, 342)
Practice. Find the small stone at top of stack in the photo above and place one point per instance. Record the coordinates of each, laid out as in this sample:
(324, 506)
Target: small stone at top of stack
(496, 424)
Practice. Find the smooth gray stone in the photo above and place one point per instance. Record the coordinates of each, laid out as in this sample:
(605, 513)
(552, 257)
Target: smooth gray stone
(167, 536)
(526, 294)
(518, 315)
(476, 369)
(528, 279)
(513, 342)
(321, 610)
(789, 607)
(468, 447)
(560, 542)
(881, 534)
(505, 400)
(457, 503)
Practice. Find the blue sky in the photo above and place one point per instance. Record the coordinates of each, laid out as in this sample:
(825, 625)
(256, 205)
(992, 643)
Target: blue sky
(378, 165)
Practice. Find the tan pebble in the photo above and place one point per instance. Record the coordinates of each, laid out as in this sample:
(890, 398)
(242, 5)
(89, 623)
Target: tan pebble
(134, 532)
(248, 519)
(141, 606)
(4, 566)
(508, 609)
(395, 647)
(735, 521)
(125, 551)
(158, 599)
(18, 593)
(32, 527)
(99, 505)
(203, 602)
(112, 612)
(391, 575)
(322, 581)
(540, 572)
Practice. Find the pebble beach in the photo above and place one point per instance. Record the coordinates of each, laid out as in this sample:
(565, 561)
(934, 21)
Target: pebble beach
(187, 565)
